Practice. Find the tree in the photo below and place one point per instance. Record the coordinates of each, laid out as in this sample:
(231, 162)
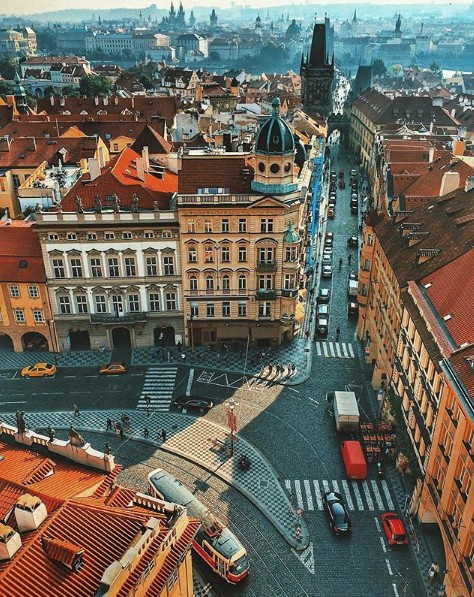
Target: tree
(7, 66)
(436, 69)
(395, 69)
(91, 86)
(46, 40)
(5, 89)
(70, 91)
(214, 56)
(378, 67)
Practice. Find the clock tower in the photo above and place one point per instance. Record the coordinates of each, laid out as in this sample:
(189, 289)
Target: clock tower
(317, 71)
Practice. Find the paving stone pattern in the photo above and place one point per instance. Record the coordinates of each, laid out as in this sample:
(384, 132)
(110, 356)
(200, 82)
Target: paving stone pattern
(192, 438)
(18, 360)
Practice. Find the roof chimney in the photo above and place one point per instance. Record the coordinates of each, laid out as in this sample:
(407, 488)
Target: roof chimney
(10, 542)
(146, 159)
(94, 168)
(431, 153)
(449, 183)
(51, 99)
(140, 170)
(469, 184)
(30, 513)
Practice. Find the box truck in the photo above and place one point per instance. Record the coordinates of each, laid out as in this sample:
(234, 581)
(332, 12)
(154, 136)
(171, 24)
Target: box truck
(354, 459)
(346, 411)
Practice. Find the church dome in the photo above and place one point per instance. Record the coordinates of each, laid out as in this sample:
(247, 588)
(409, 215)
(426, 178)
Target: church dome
(293, 31)
(275, 136)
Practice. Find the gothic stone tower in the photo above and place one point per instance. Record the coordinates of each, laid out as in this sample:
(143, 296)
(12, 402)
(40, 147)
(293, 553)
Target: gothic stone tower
(317, 72)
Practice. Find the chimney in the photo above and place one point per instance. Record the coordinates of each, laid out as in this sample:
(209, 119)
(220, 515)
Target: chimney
(96, 101)
(51, 99)
(469, 184)
(10, 542)
(449, 183)
(94, 168)
(140, 170)
(459, 147)
(145, 159)
(431, 152)
(30, 513)
(106, 101)
(5, 143)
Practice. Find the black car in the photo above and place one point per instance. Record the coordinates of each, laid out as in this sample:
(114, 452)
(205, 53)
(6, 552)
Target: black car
(199, 403)
(352, 241)
(324, 295)
(336, 510)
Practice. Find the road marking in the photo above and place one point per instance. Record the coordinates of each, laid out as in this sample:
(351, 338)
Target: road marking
(294, 390)
(317, 493)
(318, 349)
(91, 375)
(358, 497)
(15, 402)
(190, 382)
(288, 486)
(387, 494)
(325, 349)
(368, 497)
(136, 374)
(351, 351)
(389, 568)
(350, 503)
(338, 350)
(299, 495)
(382, 543)
(306, 557)
(331, 349)
(309, 497)
(395, 590)
(69, 376)
(325, 486)
(344, 351)
(377, 524)
(378, 497)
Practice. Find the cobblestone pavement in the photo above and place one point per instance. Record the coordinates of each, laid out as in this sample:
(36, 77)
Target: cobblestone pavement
(202, 442)
(17, 360)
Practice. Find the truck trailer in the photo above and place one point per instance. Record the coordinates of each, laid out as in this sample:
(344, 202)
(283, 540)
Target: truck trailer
(346, 411)
(354, 460)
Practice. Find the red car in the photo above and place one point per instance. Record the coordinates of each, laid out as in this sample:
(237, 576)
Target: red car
(394, 528)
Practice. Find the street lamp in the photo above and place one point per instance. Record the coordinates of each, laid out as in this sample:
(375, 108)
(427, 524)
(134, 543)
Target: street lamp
(247, 351)
(232, 423)
(194, 306)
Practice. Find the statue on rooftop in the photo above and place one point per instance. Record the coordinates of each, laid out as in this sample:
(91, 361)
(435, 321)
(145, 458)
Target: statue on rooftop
(78, 204)
(155, 206)
(97, 204)
(116, 204)
(134, 203)
(20, 421)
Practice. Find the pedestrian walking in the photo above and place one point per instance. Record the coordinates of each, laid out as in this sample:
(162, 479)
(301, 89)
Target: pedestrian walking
(179, 346)
(109, 425)
(147, 400)
(169, 356)
(146, 432)
(121, 433)
(306, 334)
(183, 357)
(76, 410)
(163, 435)
(340, 263)
(433, 570)
(338, 333)
(349, 258)
(106, 449)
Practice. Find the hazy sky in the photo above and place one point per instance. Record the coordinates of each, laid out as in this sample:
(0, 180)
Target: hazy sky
(15, 7)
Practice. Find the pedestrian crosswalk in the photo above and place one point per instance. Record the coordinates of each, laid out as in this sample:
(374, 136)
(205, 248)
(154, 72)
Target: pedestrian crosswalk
(370, 494)
(341, 350)
(158, 386)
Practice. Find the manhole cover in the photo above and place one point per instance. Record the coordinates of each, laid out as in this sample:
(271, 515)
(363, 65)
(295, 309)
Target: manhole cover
(263, 483)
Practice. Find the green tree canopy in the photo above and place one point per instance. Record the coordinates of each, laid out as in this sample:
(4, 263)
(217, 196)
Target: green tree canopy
(7, 66)
(436, 69)
(378, 67)
(91, 86)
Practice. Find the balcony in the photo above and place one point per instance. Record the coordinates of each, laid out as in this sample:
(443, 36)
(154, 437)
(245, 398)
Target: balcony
(266, 266)
(266, 295)
(123, 318)
(289, 292)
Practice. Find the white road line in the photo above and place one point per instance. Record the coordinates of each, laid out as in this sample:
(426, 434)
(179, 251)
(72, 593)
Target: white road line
(338, 350)
(317, 493)
(387, 495)
(331, 349)
(368, 497)
(335, 486)
(358, 497)
(309, 497)
(377, 524)
(190, 382)
(350, 503)
(351, 351)
(288, 485)
(389, 568)
(325, 349)
(395, 590)
(325, 485)
(378, 497)
(69, 376)
(382, 543)
(344, 350)
(299, 495)
(318, 349)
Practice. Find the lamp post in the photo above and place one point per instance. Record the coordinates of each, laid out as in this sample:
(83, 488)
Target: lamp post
(232, 423)
(194, 305)
(247, 351)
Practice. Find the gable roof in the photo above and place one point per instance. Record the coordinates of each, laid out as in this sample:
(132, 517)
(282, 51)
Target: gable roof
(150, 138)
(232, 172)
(21, 259)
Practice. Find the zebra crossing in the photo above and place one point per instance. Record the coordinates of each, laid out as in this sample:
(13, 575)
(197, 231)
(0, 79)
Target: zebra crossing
(370, 494)
(340, 350)
(158, 385)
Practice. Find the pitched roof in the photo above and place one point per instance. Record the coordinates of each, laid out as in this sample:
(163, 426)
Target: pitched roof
(462, 362)
(150, 138)
(23, 152)
(232, 172)
(21, 259)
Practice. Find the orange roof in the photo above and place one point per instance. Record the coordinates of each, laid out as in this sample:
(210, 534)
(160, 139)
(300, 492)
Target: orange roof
(21, 259)
(60, 550)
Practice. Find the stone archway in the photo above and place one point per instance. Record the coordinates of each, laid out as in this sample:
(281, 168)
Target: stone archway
(79, 340)
(6, 343)
(121, 338)
(164, 336)
(34, 341)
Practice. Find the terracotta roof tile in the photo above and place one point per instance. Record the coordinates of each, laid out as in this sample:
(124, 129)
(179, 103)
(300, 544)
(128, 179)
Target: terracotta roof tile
(461, 361)
(232, 171)
(23, 153)
(61, 551)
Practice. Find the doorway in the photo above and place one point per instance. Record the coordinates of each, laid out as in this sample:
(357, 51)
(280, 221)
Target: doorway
(121, 338)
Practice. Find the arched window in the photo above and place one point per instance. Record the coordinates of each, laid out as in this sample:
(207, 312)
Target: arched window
(193, 283)
(225, 282)
(242, 282)
(209, 283)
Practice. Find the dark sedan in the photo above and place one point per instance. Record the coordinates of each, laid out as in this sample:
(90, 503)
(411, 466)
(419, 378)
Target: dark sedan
(194, 403)
(336, 510)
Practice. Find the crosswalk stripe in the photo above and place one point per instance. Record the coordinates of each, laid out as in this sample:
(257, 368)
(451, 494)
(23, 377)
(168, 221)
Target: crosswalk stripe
(338, 350)
(309, 497)
(299, 496)
(387, 495)
(368, 497)
(335, 486)
(358, 497)
(325, 349)
(378, 497)
(344, 350)
(318, 349)
(331, 349)
(325, 485)
(288, 485)
(351, 351)
(158, 387)
(347, 493)
(317, 493)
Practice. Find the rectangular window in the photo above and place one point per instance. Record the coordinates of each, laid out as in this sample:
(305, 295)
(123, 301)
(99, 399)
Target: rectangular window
(96, 267)
(149, 234)
(266, 255)
(209, 253)
(117, 304)
(168, 265)
(210, 309)
(266, 225)
(33, 291)
(76, 268)
(242, 309)
(264, 309)
(192, 254)
(130, 266)
(366, 265)
(265, 282)
(53, 236)
(116, 147)
(208, 226)
(242, 253)
(19, 316)
(16, 181)
(127, 235)
(170, 301)
(290, 281)
(64, 303)
(58, 268)
(91, 236)
(226, 309)
(242, 225)
(225, 225)
(113, 267)
(191, 226)
(100, 304)
(81, 302)
(109, 235)
(133, 303)
(71, 236)
(154, 301)
(225, 254)
(194, 311)
(151, 266)
(14, 291)
(290, 254)
(38, 315)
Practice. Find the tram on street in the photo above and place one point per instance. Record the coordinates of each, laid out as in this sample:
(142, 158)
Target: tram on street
(214, 542)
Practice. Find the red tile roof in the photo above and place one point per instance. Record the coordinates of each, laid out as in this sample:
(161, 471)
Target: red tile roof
(228, 171)
(19, 244)
(451, 295)
(60, 550)
(461, 361)
(120, 177)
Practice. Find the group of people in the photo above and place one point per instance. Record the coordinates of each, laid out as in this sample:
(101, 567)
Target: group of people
(280, 369)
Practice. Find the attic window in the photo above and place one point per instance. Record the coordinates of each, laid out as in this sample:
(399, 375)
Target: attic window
(23, 264)
(428, 285)
(447, 317)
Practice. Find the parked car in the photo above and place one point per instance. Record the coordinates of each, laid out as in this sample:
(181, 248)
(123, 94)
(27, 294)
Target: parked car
(352, 241)
(327, 251)
(199, 403)
(324, 296)
(113, 368)
(336, 510)
(39, 370)
(323, 310)
(352, 309)
(327, 259)
(394, 528)
(331, 211)
(327, 271)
